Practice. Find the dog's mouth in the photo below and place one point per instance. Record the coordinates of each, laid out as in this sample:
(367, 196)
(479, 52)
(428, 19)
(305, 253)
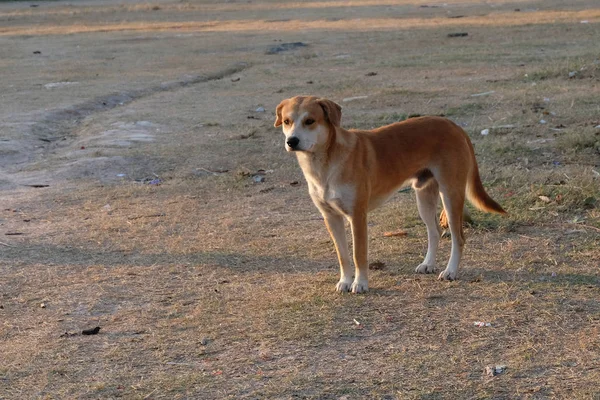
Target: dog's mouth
(299, 150)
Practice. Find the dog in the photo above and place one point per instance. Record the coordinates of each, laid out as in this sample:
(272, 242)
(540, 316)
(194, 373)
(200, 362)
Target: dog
(351, 172)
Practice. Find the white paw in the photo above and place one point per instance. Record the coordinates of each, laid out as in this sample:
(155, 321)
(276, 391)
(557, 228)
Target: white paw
(343, 286)
(360, 287)
(425, 269)
(447, 275)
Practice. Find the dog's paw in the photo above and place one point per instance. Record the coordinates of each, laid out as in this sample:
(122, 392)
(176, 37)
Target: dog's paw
(360, 287)
(425, 269)
(343, 286)
(447, 275)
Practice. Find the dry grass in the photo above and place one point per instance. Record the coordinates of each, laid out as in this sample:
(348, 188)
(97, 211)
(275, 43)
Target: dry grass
(212, 286)
(358, 24)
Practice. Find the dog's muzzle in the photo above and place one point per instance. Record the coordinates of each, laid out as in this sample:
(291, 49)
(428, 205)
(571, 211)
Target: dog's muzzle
(293, 142)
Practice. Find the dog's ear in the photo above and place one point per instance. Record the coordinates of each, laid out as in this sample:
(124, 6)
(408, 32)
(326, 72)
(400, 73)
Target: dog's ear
(278, 117)
(332, 110)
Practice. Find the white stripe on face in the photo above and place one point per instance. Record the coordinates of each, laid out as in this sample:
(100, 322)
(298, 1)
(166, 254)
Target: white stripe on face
(307, 137)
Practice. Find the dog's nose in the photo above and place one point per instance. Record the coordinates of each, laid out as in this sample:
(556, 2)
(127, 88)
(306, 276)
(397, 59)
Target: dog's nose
(293, 142)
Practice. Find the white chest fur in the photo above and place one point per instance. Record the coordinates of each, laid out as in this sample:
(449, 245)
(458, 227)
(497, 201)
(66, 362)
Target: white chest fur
(332, 195)
(325, 188)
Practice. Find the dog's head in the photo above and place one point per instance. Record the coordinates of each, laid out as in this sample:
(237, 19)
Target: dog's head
(307, 121)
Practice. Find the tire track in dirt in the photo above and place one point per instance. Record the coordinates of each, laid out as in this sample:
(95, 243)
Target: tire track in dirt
(59, 124)
(56, 128)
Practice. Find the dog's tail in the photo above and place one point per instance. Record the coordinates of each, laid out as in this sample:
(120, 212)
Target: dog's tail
(475, 191)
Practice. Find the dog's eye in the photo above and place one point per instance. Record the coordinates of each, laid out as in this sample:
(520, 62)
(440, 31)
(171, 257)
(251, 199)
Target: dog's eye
(287, 122)
(309, 121)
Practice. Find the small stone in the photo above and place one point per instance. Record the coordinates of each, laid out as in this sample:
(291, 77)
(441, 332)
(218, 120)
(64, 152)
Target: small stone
(494, 370)
(42, 305)
(260, 109)
(258, 178)
(485, 132)
(204, 341)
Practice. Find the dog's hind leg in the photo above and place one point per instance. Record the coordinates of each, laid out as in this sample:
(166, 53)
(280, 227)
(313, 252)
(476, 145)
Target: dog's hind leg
(427, 200)
(337, 230)
(360, 247)
(453, 199)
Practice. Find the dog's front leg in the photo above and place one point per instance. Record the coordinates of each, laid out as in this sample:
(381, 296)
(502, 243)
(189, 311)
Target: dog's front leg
(337, 230)
(360, 247)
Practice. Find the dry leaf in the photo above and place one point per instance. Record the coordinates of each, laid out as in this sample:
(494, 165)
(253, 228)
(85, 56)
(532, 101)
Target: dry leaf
(395, 233)
(545, 199)
(377, 265)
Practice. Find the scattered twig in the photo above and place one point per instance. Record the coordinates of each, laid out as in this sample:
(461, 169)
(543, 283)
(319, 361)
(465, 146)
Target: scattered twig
(147, 216)
(206, 170)
(217, 172)
(576, 224)
(93, 331)
(586, 226)
(6, 244)
(527, 237)
(184, 364)
(483, 94)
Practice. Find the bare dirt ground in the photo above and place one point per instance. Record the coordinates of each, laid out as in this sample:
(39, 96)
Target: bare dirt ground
(131, 133)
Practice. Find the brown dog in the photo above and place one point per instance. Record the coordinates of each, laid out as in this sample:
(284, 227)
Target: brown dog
(349, 173)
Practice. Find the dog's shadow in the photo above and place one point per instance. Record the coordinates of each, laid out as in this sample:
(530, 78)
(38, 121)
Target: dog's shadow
(475, 277)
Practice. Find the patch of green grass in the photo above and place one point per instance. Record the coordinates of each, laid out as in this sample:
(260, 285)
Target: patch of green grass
(390, 118)
(505, 151)
(567, 69)
(369, 121)
(574, 140)
(465, 109)
(556, 196)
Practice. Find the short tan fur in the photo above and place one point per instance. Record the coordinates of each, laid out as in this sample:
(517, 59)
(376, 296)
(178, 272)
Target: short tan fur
(351, 172)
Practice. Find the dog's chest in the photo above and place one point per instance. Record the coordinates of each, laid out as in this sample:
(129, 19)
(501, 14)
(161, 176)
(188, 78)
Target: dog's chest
(339, 197)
